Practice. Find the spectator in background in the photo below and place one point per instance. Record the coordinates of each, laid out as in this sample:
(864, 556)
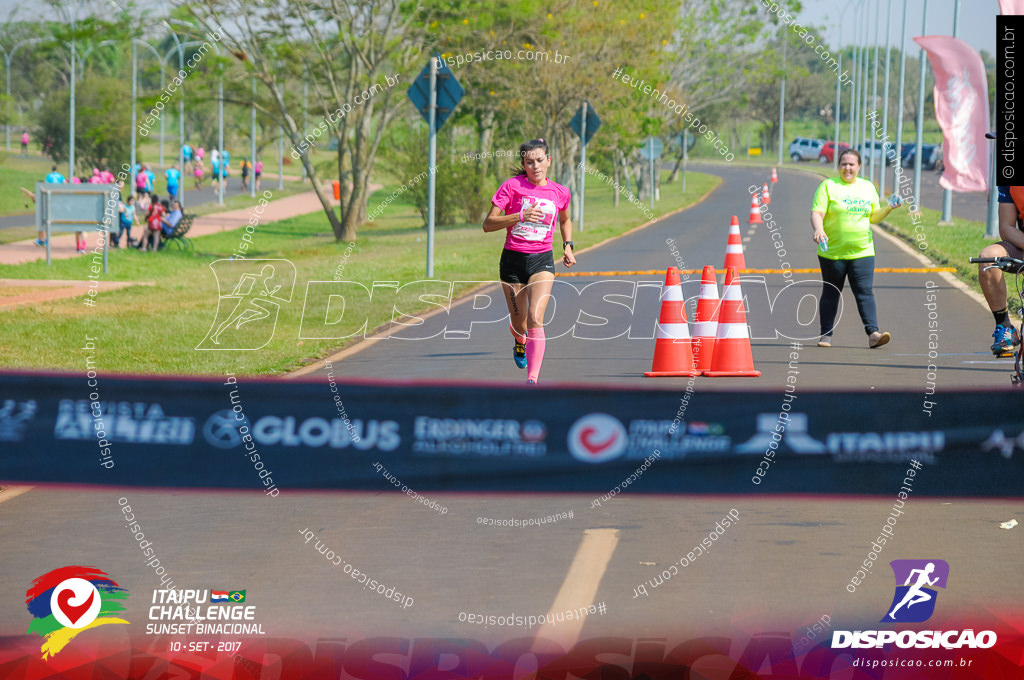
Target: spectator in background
(197, 172)
(200, 153)
(215, 169)
(256, 170)
(225, 164)
(107, 175)
(150, 178)
(153, 223)
(172, 218)
(53, 178)
(186, 153)
(96, 178)
(141, 181)
(173, 176)
(126, 220)
(24, 144)
(245, 166)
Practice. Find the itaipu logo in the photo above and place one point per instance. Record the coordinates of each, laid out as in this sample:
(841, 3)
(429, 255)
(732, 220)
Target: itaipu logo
(70, 600)
(914, 601)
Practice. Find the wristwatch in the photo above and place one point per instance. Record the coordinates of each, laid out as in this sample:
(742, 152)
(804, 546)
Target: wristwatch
(568, 244)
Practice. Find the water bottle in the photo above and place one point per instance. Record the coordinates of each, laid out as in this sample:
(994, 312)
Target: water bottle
(895, 201)
(823, 245)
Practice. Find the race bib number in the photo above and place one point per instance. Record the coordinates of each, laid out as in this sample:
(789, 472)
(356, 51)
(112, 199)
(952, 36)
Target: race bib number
(537, 231)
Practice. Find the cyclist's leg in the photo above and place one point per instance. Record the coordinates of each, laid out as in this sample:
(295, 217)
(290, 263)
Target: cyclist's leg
(993, 286)
(833, 277)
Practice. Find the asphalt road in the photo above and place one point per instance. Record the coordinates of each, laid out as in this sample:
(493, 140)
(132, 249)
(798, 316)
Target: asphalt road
(782, 565)
(779, 314)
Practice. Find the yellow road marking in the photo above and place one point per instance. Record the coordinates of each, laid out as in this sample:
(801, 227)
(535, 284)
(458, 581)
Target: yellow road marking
(580, 585)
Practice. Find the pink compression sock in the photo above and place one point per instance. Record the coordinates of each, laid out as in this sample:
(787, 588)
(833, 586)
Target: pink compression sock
(535, 345)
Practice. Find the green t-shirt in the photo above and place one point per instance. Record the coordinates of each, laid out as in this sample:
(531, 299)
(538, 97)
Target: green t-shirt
(847, 209)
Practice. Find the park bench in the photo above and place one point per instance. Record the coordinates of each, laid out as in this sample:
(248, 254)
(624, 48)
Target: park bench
(178, 236)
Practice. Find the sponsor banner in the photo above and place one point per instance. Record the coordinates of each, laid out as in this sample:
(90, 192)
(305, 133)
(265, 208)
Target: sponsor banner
(733, 651)
(213, 433)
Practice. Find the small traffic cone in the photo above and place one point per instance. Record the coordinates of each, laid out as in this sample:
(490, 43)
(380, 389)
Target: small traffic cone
(732, 357)
(734, 247)
(766, 198)
(755, 211)
(705, 324)
(673, 355)
(775, 176)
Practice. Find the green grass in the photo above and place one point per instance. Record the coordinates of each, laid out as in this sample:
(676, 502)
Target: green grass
(946, 245)
(17, 172)
(155, 329)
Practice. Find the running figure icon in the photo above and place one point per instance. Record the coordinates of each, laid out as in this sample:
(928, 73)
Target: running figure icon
(249, 308)
(252, 293)
(915, 595)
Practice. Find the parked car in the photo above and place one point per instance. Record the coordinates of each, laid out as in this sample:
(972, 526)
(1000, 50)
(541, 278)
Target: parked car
(931, 156)
(805, 148)
(828, 151)
(877, 150)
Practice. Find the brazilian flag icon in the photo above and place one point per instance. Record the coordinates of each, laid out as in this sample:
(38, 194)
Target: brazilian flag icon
(237, 596)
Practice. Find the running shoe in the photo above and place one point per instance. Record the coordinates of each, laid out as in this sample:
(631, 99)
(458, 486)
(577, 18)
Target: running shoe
(531, 381)
(519, 354)
(1006, 338)
(40, 242)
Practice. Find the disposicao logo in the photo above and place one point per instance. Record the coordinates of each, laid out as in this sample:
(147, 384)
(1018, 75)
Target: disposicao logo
(70, 600)
(913, 602)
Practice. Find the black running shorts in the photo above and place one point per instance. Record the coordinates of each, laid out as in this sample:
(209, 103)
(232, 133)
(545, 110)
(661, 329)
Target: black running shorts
(517, 267)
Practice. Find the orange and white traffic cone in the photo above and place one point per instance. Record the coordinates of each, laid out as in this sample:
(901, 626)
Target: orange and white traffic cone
(766, 198)
(775, 176)
(755, 211)
(734, 247)
(732, 357)
(673, 355)
(705, 324)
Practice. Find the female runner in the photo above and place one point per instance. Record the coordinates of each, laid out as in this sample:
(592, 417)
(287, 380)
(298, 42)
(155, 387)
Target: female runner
(531, 203)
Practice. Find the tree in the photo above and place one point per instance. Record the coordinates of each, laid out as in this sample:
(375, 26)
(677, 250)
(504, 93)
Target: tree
(102, 124)
(342, 49)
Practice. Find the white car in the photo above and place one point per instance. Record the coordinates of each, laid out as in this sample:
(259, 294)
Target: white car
(878, 150)
(805, 149)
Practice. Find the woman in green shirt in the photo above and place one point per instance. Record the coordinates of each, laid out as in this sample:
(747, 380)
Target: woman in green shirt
(842, 213)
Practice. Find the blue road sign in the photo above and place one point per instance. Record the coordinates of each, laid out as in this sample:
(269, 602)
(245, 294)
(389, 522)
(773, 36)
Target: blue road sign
(449, 92)
(593, 122)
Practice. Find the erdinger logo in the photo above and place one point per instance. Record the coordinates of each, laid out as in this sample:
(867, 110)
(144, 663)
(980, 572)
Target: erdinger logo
(70, 600)
(596, 438)
(913, 601)
(251, 293)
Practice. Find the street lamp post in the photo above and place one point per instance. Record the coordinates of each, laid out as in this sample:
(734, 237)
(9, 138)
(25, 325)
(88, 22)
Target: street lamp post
(885, 88)
(8, 56)
(920, 112)
(947, 195)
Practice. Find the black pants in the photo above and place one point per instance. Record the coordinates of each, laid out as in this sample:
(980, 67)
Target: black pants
(834, 273)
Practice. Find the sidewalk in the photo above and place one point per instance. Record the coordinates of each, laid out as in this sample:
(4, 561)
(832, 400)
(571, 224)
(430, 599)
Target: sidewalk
(63, 246)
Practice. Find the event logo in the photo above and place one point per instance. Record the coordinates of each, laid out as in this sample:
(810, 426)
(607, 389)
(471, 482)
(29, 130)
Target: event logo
(70, 600)
(915, 602)
(597, 437)
(251, 293)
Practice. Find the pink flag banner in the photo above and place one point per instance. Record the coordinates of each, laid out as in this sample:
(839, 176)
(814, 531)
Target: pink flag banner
(1011, 6)
(961, 107)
